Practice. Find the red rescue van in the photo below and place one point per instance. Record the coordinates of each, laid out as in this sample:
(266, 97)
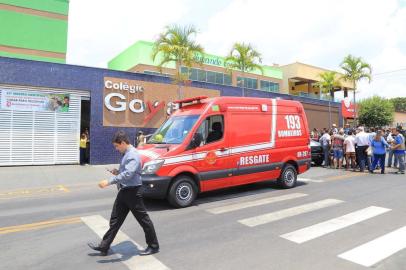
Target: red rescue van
(215, 143)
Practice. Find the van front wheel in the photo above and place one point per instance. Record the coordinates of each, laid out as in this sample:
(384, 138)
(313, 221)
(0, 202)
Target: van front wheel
(182, 192)
(288, 177)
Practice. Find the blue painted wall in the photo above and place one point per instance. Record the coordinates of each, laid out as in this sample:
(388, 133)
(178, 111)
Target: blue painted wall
(50, 75)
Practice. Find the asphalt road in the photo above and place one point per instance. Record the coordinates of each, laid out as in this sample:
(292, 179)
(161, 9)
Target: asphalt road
(332, 220)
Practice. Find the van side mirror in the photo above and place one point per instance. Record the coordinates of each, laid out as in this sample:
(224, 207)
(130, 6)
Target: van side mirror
(196, 141)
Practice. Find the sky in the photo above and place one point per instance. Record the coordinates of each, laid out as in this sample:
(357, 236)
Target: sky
(316, 32)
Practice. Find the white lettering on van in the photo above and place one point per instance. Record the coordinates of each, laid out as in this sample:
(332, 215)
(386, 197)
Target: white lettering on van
(289, 133)
(252, 160)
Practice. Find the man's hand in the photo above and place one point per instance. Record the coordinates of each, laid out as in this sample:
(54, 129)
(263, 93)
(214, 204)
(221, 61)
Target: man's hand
(103, 183)
(113, 171)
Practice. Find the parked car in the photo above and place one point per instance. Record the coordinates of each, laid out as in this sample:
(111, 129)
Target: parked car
(317, 152)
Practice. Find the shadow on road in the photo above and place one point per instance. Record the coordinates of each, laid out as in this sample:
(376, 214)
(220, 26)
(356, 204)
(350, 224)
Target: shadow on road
(222, 194)
(125, 250)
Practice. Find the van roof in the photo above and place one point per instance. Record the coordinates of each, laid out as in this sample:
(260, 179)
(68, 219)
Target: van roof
(197, 107)
(249, 100)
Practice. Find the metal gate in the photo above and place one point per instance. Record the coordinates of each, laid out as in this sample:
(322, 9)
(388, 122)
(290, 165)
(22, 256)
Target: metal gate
(41, 137)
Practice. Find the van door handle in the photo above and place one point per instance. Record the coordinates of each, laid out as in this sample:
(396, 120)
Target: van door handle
(223, 149)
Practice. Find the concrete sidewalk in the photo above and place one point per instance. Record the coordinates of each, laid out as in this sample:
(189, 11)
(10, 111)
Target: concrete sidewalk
(43, 176)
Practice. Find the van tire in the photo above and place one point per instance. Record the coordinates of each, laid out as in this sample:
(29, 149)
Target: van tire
(182, 192)
(288, 177)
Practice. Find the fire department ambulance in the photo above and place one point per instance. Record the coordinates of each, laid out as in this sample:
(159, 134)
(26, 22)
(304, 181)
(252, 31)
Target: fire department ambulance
(215, 143)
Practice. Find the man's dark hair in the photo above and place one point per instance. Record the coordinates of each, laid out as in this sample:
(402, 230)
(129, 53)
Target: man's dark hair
(120, 137)
(350, 132)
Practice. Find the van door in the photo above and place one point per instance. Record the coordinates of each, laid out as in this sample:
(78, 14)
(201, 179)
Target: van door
(252, 153)
(211, 157)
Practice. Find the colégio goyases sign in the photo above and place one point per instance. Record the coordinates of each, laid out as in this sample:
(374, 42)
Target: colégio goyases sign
(130, 103)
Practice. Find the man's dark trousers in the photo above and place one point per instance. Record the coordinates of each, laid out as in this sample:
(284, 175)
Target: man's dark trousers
(129, 199)
(362, 156)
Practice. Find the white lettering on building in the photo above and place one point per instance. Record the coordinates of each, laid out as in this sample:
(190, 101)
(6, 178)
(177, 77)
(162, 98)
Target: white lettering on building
(135, 105)
(132, 88)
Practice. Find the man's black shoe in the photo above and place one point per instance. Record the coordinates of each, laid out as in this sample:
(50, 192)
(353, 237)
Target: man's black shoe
(148, 251)
(103, 251)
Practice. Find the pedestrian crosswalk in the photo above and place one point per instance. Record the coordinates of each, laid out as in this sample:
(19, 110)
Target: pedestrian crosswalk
(332, 225)
(367, 254)
(290, 212)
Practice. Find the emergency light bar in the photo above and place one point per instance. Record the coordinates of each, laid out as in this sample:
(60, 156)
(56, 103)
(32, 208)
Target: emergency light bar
(189, 100)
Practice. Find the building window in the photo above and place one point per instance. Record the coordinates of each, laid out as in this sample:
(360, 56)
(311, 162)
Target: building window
(211, 77)
(193, 74)
(248, 82)
(201, 75)
(227, 79)
(219, 78)
(269, 86)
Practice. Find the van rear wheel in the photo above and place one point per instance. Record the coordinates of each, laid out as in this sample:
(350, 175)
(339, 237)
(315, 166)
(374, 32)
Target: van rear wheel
(288, 177)
(182, 192)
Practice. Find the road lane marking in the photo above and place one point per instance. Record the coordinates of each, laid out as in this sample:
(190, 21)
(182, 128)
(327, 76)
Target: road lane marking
(39, 225)
(243, 205)
(376, 250)
(33, 192)
(290, 212)
(310, 180)
(348, 175)
(100, 225)
(332, 225)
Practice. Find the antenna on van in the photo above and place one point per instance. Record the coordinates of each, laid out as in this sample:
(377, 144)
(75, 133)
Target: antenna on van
(189, 100)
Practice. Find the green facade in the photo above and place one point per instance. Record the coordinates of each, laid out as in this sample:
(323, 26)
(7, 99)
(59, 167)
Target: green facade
(54, 6)
(141, 51)
(137, 54)
(20, 30)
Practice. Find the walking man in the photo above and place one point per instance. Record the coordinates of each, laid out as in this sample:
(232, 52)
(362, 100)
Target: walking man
(129, 197)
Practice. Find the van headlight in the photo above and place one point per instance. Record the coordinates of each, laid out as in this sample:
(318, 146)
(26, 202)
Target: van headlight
(152, 166)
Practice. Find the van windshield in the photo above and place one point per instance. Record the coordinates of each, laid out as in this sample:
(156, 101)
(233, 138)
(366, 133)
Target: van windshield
(174, 130)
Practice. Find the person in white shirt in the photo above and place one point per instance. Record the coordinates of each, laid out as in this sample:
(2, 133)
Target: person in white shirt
(325, 142)
(362, 143)
(349, 147)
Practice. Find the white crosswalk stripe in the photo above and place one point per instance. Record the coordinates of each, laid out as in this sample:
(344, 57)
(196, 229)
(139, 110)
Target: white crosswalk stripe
(309, 180)
(376, 250)
(100, 225)
(243, 205)
(290, 212)
(332, 225)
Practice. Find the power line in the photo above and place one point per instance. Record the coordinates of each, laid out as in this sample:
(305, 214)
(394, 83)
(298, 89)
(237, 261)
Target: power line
(388, 72)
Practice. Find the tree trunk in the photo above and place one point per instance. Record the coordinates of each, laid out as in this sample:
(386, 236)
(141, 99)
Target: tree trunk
(243, 81)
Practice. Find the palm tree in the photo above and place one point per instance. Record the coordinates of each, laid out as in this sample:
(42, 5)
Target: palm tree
(328, 80)
(355, 70)
(245, 58)
(175, 44)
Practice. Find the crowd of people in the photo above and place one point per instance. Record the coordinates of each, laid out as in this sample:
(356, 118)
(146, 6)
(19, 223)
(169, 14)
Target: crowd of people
(362, 148)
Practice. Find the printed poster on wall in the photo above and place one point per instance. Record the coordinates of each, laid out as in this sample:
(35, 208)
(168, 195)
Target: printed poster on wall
(18, 100)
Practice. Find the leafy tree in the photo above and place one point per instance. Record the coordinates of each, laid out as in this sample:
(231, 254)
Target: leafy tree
(399, 104)
(355, 70)
(376, 112)
(245, 58)
(328, 80)
(176, 44)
